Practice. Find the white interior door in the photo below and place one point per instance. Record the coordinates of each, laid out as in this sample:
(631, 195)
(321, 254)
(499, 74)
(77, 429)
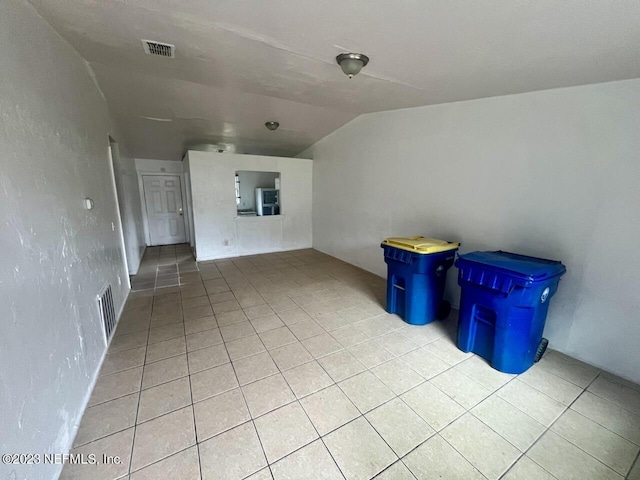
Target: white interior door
(163, 199)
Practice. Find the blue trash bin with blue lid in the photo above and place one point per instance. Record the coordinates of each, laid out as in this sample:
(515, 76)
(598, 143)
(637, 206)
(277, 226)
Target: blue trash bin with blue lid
(416, 274)
(503, 306)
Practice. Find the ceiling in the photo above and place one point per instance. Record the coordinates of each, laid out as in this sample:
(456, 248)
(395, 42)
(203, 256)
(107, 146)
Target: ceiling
(240, 63)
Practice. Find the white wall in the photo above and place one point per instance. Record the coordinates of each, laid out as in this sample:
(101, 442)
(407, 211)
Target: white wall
(554, 174)
(219, 233)
(56, 256)
(130, 208)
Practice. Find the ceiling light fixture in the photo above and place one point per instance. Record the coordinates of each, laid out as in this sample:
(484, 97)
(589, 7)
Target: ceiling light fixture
(352, 63)
(272, 125)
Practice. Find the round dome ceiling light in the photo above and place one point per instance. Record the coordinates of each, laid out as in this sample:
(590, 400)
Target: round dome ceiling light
(272, 125)
(352, 63)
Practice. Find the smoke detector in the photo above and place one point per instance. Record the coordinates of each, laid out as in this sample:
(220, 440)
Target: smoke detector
(151, 47)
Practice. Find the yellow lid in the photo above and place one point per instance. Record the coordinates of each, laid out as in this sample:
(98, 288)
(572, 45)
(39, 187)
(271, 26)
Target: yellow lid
(423, 245)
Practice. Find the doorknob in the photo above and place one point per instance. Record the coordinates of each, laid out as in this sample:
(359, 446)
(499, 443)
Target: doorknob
(180, 210)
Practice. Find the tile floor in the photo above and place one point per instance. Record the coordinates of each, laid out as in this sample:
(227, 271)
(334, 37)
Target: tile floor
(286, 366)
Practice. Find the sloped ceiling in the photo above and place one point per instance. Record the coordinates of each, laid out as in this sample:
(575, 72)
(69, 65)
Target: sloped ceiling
(240, 63)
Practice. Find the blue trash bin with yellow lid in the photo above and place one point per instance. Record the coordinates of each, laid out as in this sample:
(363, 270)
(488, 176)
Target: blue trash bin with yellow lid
(416, 274)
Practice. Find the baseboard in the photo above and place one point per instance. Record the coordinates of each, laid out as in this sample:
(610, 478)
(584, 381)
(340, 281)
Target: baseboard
(247, 254)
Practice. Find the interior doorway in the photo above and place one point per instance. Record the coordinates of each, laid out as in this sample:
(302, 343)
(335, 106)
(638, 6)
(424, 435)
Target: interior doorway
(114, 156)
(165, 213)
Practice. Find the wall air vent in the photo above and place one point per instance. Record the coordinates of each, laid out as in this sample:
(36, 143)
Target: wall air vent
(107, 312)
(152, 47)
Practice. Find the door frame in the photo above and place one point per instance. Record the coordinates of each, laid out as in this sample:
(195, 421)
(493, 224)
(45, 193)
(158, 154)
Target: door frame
(143, 203)
(113, 145)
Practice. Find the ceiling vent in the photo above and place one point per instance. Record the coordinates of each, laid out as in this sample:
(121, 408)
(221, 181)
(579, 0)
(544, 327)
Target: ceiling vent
(158, 48)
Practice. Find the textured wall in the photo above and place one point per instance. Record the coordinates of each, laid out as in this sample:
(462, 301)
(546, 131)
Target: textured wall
(553, 174)
(56, 256)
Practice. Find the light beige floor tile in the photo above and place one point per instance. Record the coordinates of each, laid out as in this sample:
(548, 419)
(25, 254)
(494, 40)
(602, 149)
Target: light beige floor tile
(399, 426)
(107, 418)
(611, 449)
(207, 338)
(306, 329)
(222, 412)
(277, 338)
(221, 297)
(225, 307)
(527, 469)
(397, 376)
(329, 409)
(229, 318)
(358, 450)
(480, 371)
(234, 454)
(244, 347)
(341, 365)
(195, 301)
(293, 316)
(397, 344)
(349, 336)
(257, 311)
(236, 331)
(366, 391)
(284, 430)
(423, 334)
(617, 391)
(164, 371)
(255, 367)
(370, 353)
(381, 324)
(561, 390)
(505, 419)
(213, 382)
(425, 363)
(208, 357)
(290, 356)
(321, 345)
(267, 394)
(183, 465)
(123, 360)
(168, 318)
(397, 471)
(307, 378)
(162, 436)
(163, 399)
(437, 459)
(534, 403)
(116, 385)
(160, 334)
(312, 462)
(266, 323)
(482, 447)
(565, 461)
(197, 312)
(609, 415)
(200, 325)
(634, 474)
(128, 341)
(462, 389)
(264, 474)
(570, 369)
(118, 444)
(166, 349)
(436, 408)
(447, 351)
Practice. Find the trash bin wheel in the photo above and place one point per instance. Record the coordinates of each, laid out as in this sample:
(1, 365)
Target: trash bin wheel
(444, 310)
(541, 349)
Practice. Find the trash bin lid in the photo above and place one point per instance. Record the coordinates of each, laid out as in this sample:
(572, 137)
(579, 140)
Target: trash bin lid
(530, 268)
(422, 245)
